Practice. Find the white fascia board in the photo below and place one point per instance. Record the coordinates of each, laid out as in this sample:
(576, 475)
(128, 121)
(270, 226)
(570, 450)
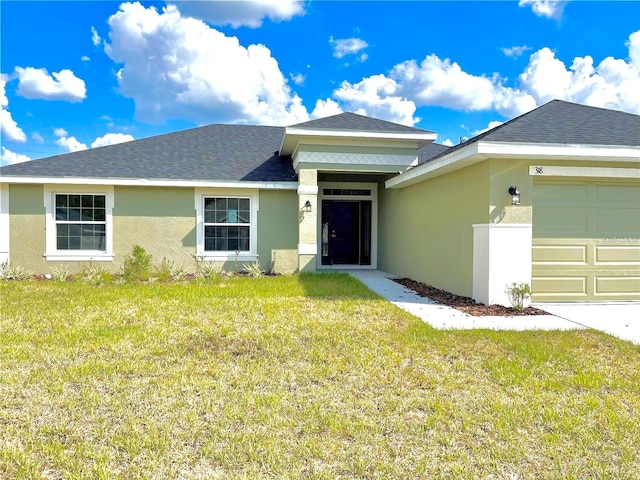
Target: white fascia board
(292, 137)
(437, 167)
(613, 153)
(151, 183)
(418, 137)
(482, 150)
(595, 172)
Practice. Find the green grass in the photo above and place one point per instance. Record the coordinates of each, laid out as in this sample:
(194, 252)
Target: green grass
(298, 377)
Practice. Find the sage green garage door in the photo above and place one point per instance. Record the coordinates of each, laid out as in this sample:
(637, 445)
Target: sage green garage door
(586, 240)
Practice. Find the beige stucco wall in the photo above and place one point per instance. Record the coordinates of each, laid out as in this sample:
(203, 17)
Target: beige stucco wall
(278, 230)
(26, 227)
(425, 230)
(162, 220)
(307, 221)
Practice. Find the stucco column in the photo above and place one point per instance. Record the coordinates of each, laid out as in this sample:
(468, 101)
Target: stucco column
(308, 221)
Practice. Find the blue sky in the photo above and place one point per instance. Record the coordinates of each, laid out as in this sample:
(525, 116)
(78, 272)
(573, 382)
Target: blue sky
(84, 74)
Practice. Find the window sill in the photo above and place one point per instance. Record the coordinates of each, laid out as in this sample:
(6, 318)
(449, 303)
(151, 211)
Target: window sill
(225, 257)
(78, 256)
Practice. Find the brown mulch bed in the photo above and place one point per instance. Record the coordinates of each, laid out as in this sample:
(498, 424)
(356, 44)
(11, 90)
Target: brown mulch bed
(464, 304)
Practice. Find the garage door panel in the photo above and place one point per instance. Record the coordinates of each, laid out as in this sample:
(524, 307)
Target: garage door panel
(616, 222)
(617, 195)
(550, 195)
(560, 254)
(617, 285)
(560, 286)
(621, 255)
(588, 250)
(559, 222)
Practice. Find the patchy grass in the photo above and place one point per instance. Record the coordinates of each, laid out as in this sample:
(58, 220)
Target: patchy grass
(298, 377)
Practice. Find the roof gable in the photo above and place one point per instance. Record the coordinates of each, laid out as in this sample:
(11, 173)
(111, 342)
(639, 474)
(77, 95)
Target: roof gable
(354, 122)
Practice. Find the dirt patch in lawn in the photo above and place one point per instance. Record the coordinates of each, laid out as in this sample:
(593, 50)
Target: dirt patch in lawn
(464, 304)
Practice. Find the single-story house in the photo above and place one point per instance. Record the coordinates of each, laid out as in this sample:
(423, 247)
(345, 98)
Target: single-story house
(551, 198)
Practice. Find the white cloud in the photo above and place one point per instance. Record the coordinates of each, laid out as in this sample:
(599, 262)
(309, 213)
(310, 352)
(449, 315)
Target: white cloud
(545, 8)
(376, 96)
(176, 67)
(9, 158)
(515, 51)
(37, 137)
(8, 126)
(348, 46)
(491, 125)
(111, 139)
(437, 82)
(242, 13)
(298, 78)
(84, 58)
(447, 143)
(62, 85)
(95, 38)
(60, 132)
(614, 83)
(71, 144)
(326, 108)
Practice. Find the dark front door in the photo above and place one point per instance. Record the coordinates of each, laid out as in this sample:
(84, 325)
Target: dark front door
(346, 232)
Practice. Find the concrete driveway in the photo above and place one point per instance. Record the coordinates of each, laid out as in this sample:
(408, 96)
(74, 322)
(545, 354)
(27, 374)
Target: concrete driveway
(621, 320)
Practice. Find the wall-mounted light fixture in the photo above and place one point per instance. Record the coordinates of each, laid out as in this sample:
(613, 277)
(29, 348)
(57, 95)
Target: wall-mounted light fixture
(307, 207)
(515, 195)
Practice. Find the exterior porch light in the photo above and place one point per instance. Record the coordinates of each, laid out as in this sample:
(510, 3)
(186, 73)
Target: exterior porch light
(515, 195)
(307, 207)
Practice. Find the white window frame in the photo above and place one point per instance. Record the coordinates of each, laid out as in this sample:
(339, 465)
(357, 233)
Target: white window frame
(216, 256)
(51, 248)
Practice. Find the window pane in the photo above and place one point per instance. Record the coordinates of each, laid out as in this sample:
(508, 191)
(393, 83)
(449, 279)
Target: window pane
(62, 213)
(244, 216)
(63, 243)
(74, 200)
(221, 216)
(209, 244)
(74, 243)
(209, 217)
(87, 215)
(99, 201)
(98, 215)
(243, 232)
(74, 214)
(87, 243)
(221, 245)
(75, 230)
(244, 204)
(233, 232)
(63, 230)
(99, 229)
(61, 200)
(87, 201)
(221, 203)
(243, 245)
(209, 203)
(233, 244)
(233, 204)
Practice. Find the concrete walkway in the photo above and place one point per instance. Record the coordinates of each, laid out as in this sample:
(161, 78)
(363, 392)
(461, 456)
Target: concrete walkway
(444, 317)
(621, 320)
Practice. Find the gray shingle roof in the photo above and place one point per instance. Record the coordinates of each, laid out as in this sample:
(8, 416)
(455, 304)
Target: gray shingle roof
(353, 121)
(210, 153)
(561, 122)
(430, 150)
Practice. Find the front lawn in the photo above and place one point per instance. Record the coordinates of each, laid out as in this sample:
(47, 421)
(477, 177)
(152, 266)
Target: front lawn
(298, 377)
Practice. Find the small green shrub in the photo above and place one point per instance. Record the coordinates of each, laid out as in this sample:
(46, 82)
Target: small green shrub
(95, 274)
(137, 265)
(518, 293)
(60, 274)
(14, 272)
(253, 269)
(168, 270)
(207, 270)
